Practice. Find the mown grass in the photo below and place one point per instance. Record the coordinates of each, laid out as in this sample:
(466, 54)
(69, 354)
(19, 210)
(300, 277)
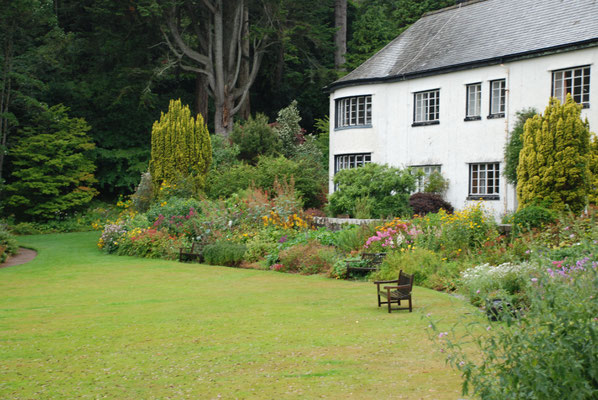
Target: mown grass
(76, 323)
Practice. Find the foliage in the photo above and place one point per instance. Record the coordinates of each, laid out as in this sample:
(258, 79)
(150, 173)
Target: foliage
(387, 187)
(532, 217)
(455, 235)
(256, 137)
(224, 153)
(288, 129)
(352, 238)
(52, 171)
(310, 180)
(436, 183)
(223, 253)
(507, 282)
(515, 144)
(309, 258)
(176, 207)
(150, 243)
(593, 195)
(8, 243)
(144, 194)
(181, 148)
(421, 263)
(424, 203)
(551, 347)
(554, 160)
(224, 182)
(322, 126)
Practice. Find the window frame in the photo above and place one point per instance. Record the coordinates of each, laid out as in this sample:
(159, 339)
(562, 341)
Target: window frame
(484, 194)
(344, 111)
(585, 82)
(502, 98)
(436, 105)
(477, 97)
(363, 162)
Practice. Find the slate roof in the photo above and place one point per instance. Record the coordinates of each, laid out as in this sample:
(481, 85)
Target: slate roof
(480, 32)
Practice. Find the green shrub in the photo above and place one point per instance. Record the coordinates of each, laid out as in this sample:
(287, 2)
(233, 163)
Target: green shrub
(8, 244)
(223, 182)
(224, 253)
(52, 169)
(309, 258)
(150, 243)
(255, 137)
(533, 217)
(549, 352)
(421, 263)
(144, 194)
(310, 178)
(387, 187)
(172, 207)
(352, 238)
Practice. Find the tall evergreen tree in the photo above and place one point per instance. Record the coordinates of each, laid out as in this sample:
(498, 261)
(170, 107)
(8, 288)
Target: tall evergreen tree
(181, 148)
(554, 161)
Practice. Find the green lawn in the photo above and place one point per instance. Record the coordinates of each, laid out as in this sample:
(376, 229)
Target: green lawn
(76, 323)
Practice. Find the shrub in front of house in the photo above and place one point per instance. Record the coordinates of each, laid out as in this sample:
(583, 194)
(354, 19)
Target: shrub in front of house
(533, 216)
(387, 188)
(425, 203)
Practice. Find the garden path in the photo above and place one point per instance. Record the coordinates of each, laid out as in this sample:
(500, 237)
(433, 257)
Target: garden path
(23, 256)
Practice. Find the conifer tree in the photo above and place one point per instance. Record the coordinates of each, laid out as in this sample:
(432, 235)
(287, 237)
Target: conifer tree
(554, 161)
(181, 148)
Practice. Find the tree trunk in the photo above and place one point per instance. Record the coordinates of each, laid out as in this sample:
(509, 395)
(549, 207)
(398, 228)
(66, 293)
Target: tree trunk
(5, 97)
(201, 96)
(340, 36)
(245, 110)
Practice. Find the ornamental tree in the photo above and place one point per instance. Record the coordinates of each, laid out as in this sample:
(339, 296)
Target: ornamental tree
(52, 171)
(515, 143)
(554, 161)
(181, 148)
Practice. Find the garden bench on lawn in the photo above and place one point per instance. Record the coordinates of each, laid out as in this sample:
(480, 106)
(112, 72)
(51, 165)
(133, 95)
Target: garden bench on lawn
(394, 294)
(369, 262)
(195, 253)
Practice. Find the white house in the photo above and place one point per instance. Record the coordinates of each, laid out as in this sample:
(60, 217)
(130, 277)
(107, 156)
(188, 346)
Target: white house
(444, 94)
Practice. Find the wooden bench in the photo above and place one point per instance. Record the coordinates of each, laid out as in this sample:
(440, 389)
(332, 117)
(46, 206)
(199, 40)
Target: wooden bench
(369, 262)
(195, 253)
(396, 293)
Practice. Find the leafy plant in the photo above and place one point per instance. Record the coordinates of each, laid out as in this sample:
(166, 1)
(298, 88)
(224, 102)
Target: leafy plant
(533, 217)
(223, 253)
(554, 161)
(255, 137)
(387, 187)
(181, 148)
(424, 203)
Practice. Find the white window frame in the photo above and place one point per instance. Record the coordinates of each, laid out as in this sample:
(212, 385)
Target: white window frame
(422, 181)
(473, 106)
(574, 80)
(498, 98)
(484, 180)
(354, 111)
(353, 160)
(426, 107)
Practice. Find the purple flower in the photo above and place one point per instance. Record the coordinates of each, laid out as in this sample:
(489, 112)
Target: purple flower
(282, 239)
(534, 279)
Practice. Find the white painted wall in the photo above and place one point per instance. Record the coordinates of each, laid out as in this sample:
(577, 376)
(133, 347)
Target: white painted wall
(454, 143)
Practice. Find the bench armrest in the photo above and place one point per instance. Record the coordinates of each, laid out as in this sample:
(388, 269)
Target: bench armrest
(398, 287)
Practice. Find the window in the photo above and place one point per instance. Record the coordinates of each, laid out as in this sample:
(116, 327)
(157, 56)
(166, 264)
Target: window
(426, 108)
(347, 161)
(422, 174)
(484, 180)
(473, 109)
(497, 98)
(575, 81)
(354, 111)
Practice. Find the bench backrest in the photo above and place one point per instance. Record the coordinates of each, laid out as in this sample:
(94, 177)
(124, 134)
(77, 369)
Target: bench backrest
(373, 258)
(406, 279)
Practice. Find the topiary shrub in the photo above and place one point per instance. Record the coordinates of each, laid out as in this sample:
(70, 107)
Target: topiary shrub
(224, 253)
(424, 203)
(532, 217)
(143, 196)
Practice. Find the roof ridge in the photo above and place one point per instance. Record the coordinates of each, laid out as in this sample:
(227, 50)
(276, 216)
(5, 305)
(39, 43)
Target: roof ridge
(460, 3)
